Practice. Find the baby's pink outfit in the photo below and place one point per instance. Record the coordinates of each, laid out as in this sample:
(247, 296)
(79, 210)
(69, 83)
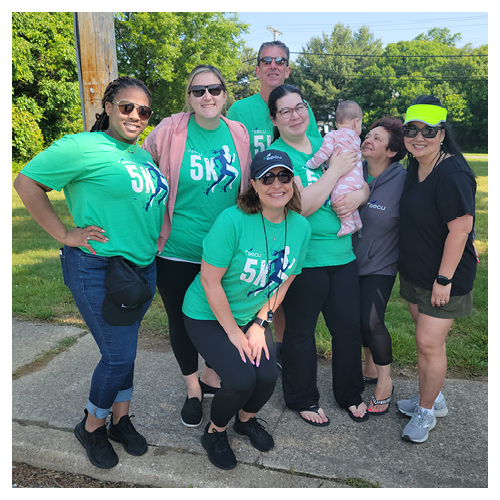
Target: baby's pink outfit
(348, 140)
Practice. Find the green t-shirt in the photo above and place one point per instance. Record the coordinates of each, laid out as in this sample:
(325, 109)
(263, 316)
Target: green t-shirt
(110, 184)
(209, 182)
(237, 242)
(253, 112)
(325, 247)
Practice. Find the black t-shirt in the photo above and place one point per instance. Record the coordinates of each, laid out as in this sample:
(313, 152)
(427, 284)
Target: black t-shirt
(447, 193)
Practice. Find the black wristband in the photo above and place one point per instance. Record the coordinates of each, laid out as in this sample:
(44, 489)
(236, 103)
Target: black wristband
(261, 322)
(443, 280)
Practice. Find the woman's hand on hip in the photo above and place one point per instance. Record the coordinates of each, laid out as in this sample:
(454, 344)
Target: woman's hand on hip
(84, 236)
(256, 337)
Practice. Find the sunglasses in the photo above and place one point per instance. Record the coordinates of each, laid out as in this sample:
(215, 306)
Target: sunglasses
(427, 132)
(126, 107)
(199, 90)
(278, 60)
(285, 176)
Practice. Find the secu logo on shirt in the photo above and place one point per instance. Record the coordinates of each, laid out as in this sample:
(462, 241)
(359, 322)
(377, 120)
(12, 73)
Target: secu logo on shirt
(372, 204)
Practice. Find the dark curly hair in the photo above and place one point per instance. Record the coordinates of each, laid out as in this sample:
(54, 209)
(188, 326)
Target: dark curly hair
(122, 82)
(394, 127)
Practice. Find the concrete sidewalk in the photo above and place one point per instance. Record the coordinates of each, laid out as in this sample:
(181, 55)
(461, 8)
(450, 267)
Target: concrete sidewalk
(46, 406)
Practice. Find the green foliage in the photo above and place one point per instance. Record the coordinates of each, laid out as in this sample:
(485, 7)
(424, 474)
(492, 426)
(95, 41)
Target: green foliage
(246, 83)
(429, 64)
(322, 75)
(45, 95)
(27, 138)
(161, 49)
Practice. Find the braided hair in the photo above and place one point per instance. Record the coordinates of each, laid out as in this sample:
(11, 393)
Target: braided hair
(122, 82)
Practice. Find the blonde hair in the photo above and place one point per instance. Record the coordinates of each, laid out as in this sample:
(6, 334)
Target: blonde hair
(199, 70)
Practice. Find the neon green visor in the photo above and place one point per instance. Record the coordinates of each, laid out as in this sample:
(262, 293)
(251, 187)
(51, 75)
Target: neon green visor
(426, 113)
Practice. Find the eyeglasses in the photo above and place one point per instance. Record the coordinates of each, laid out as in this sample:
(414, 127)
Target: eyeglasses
(301, 109)
(126, 107)
(427, 132)
(278, 60)
(199, 90)
(284, 176)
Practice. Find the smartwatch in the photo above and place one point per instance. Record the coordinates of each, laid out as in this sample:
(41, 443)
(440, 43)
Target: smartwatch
(443, 280)
(261, 322)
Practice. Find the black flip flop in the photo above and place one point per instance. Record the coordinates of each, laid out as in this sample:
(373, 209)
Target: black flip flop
(364, 418)
(315, 409)
(369, 380)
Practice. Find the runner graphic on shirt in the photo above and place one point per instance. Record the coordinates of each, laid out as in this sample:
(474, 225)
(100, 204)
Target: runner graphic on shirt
(161, 183)
(224, 160)
(278, 265)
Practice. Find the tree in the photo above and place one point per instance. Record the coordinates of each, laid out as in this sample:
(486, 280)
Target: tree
(429, 64)
(328, 63)
(45, 94)
(246, 83)
(161, 49)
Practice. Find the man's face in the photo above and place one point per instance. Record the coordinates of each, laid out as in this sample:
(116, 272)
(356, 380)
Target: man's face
(272, 75)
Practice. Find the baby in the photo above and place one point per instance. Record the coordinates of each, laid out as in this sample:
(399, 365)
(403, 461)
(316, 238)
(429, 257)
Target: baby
(348, 119)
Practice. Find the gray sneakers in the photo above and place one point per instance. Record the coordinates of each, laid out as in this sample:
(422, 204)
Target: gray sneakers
(417, 429)
(408, 406)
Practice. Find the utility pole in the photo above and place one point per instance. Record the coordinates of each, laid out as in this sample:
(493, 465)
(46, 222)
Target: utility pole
(275, 31)
(96, 60)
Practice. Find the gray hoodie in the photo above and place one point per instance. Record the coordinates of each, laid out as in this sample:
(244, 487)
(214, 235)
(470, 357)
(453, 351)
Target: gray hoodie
(376, 244)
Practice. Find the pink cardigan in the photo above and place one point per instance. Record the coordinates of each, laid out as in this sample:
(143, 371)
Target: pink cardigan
(167, 142)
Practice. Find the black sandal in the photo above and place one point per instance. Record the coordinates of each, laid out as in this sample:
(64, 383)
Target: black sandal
(380, 402)
(364, 418)
(315, 409)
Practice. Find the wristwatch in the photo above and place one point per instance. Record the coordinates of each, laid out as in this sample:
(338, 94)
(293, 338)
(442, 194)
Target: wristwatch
(443, 280)
(261, 322)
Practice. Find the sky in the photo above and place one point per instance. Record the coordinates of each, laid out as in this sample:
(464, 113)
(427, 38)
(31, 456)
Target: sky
(391, 27)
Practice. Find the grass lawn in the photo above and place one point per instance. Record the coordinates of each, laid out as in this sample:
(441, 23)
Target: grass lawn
(38, 291)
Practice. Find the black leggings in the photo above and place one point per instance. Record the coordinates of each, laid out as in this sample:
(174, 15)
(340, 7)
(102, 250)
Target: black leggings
(243, 385)
(375, 292)
(334, 291)
(173, 280)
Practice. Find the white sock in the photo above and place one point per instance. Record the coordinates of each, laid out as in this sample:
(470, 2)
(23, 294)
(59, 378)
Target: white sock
(438, 396)
(429, 411)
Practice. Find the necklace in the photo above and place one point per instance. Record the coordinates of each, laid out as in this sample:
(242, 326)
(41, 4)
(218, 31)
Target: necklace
(270, 309)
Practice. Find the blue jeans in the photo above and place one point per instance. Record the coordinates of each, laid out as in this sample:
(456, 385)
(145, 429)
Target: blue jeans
(113, 377)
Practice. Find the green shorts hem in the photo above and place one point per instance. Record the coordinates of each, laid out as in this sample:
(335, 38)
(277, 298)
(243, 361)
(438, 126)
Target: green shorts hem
(457, 307)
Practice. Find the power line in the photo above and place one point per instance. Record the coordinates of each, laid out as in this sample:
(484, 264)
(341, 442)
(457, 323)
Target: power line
(385, 55)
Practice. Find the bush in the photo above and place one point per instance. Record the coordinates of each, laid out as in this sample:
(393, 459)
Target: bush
(27, 138)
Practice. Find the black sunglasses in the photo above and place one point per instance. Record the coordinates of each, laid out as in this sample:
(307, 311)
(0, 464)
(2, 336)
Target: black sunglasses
(278, 60)
(126, 107)
(199, 90)
(284, 176)
(427, 132)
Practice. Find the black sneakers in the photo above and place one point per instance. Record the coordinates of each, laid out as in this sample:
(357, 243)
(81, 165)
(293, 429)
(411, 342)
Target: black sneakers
(124, 432)
(97, 445)
(218, 450)
(192, 412)
(259, 437)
